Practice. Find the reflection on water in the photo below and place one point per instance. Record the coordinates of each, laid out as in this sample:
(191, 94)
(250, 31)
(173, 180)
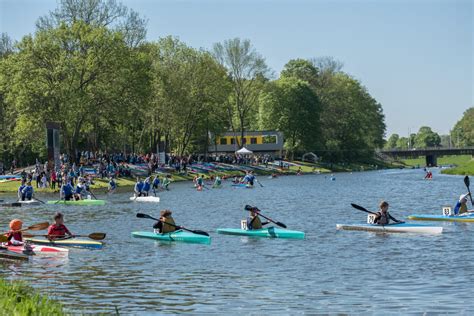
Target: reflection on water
(330, 271)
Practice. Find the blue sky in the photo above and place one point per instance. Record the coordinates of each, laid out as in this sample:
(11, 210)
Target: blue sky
(415, 57)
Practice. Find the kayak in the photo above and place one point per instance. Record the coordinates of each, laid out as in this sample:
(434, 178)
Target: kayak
(242, 185)
(179, 235)
(29, 202)
(38, 250)
(10, 204)
(449, 218)
(7, 254)
(271, 232)
(154, 199)
(79, 202)
(70, 242)
(393, 228)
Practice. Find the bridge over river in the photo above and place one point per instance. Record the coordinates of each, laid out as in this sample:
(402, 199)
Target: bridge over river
(431, 154)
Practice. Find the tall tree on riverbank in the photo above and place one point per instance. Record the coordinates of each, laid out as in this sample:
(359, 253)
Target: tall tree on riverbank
(246, 69)
(463, 132)
(426, 138)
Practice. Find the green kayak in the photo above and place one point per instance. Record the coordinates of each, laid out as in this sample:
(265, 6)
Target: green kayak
(179, 235)
(271, 232)
(79, 202)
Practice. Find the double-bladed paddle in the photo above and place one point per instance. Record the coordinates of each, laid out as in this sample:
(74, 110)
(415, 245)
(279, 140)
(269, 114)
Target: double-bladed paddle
(360, 208)
(39, 200)
(257, 211)
(199, 232)
(467, 183)
(94, 236)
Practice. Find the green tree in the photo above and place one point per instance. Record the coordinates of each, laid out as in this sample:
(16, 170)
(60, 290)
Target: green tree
(402, 143)
(246, 70)
(392, 141)
(292, 107)
(426, 138)
(463, 132)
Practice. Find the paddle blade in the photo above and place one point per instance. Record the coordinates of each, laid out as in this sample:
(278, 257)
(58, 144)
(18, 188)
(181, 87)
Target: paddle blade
(280, 224)
(27, 235)
(97, 236)
(39, 226)
(466, 181)
(141, 215)
(3, 238)
(200, 232)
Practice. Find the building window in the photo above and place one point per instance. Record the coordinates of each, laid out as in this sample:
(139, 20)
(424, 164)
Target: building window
(269, 139)
(244, 140)
(253, 140)
(232, 141)
(223, 141)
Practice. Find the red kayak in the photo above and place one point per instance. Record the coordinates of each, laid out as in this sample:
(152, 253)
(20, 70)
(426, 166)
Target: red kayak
(38, 250)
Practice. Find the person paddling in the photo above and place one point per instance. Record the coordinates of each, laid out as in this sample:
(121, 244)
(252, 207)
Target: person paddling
(146, 187)
(217, 182)
(253, 221)
(138, 189)
(58, 229)
(112, 185)
(199, 182)
(382, 217)
(80, 189)
(67, 191)
(166, 182)
(14, 235)
(27, 192)
(156, 184)
(461, 205)
(162, 226)
(20, 190)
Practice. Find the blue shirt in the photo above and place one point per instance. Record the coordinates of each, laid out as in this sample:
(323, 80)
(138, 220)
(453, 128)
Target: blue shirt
(67, 189)
(139, 187)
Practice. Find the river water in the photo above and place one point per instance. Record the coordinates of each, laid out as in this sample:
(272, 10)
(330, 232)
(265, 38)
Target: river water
(329, 271)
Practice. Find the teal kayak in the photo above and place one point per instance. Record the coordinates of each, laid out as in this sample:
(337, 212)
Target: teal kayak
(271, 232)
(449, 218)
(179, 235)
(79, 202)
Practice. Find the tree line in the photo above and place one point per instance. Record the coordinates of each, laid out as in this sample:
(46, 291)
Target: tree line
(89, 68)
(461, 135)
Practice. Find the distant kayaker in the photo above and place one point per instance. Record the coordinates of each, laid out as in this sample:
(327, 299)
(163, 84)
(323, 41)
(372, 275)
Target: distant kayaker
(146, 187)
(138, 189)
(20, 190)
(156, 183)
(58, 229)
(199, 182)
(217, 182)
(166, 182)
(80, 189)
(461, 205)
(382, 217)
(67, 191)
(253, 221)
(162, 226)
(112, 185)
(14, 235)
(27, 192)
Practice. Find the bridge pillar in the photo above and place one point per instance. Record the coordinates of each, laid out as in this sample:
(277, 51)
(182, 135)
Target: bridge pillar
(431, 160)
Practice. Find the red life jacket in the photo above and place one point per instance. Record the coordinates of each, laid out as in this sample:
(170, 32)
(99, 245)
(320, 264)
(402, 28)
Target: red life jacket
(55, 231)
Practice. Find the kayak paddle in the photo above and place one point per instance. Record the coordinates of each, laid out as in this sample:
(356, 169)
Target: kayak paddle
(199, 232)
(39, 200)
(467, 183)
(39, 226)
(257, 211)
(360, 208)
(261, 185)
(95, 236)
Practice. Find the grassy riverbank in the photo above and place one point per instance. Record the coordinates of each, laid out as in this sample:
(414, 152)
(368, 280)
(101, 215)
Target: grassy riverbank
(100, 185)
(20, 299)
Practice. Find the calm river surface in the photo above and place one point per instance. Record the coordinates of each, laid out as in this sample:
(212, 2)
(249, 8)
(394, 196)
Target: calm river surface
(328, 272)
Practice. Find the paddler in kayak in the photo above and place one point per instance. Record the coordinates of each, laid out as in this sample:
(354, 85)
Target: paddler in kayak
(461, 205)
(161, 226)
(80, 189)
(14, 235)
(382, 217)
(58, 229)
(166, 182)
(217, 182)
(253, 221)
(112, 185)
(67, 191)
(138, 189)
(27, 192)
(156, 184)
(20, 190)
(199, 182)
(146, 187)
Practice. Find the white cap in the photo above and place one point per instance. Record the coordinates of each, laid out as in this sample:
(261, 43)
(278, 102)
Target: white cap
(463, 197)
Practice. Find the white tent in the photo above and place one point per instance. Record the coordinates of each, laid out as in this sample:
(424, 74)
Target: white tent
(244, 151)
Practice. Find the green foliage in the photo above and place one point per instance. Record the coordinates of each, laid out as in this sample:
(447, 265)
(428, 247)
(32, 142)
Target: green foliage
(463, 132)
(392, 141)
(19, 299)
(426, 138)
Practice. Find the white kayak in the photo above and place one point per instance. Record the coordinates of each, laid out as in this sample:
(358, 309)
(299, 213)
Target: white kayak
(152, 199)
(393, 228)
(29, 202)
